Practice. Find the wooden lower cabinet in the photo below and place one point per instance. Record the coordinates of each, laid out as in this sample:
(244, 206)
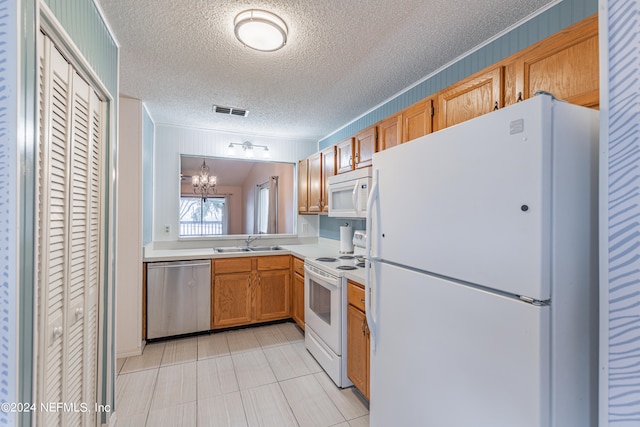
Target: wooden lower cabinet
(297, 292)
(272, 295)
(144, 301)
(232, 299)
(358, 339)
(250, 289)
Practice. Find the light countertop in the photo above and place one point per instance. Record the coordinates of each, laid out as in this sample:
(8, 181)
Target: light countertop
(324, 247)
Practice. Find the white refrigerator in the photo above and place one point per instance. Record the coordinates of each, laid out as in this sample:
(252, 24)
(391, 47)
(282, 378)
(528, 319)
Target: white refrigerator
(482, 292)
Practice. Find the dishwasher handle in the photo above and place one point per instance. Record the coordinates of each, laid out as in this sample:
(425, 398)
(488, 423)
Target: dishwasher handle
(176, 264)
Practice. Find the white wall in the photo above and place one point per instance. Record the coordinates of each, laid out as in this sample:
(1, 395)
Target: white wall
(171, 141)
(129, 230)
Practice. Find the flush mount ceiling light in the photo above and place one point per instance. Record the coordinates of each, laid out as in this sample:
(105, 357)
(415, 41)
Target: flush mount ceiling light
(261, 30)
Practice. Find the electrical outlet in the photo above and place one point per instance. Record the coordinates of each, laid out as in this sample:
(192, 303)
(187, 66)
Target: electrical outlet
(167, 229)
(304, 228)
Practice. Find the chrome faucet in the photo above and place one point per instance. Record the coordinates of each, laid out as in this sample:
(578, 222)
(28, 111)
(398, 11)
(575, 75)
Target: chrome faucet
(250, 239)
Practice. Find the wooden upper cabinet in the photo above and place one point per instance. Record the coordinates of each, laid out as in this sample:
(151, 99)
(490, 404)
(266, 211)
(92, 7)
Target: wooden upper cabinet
(417, 120)
(479, 94)
(328, 169)
(566, 65)
(303, 186)
(390, 132)
(364, 145)
(314, 193)
(344, 156)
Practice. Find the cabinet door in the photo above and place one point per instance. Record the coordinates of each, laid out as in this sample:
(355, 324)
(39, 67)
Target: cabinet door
(390, 132)
(364, 147)
(358, 350)
(328, 169)
(272, 295)
(303, 185)
(297, 306)
(472, 97)
(232, 299)
(314, 193)
(344, 155)
(417, 120)
(566, 66)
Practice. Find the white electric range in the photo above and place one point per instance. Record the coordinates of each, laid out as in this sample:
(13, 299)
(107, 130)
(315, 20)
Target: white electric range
(325, 310)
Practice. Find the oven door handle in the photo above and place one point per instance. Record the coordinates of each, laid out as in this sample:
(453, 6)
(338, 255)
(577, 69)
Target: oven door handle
(325, 282)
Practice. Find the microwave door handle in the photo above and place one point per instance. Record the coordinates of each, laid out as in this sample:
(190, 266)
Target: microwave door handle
(354, 198)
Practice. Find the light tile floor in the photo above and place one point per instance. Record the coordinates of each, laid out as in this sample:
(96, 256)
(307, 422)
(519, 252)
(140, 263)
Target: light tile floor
(260, 376)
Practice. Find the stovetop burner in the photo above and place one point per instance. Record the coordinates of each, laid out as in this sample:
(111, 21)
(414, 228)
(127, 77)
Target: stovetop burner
(360, 264)
(326, 259)
(346, 257)
(346, 267)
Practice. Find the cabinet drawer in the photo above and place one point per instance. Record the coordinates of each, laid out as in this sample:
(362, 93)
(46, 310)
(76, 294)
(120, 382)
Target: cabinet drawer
(277, 262)
(355, 295)
(298, 266)
(232, 265)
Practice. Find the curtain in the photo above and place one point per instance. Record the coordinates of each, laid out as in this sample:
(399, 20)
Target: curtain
(266, 207)
(272, 217)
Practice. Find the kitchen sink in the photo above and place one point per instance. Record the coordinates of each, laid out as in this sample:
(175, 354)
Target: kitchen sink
(231, 249)
(265, 248)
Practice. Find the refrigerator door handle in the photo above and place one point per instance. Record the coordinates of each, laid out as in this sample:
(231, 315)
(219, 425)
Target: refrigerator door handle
(373, 197)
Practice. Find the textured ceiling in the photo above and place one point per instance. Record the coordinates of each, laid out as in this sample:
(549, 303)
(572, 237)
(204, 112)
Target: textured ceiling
(342, 58)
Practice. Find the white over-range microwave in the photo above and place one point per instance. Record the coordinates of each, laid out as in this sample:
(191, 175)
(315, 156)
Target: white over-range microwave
(348, 193)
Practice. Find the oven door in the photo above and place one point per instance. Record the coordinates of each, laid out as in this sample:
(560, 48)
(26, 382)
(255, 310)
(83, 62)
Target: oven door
(322, 308)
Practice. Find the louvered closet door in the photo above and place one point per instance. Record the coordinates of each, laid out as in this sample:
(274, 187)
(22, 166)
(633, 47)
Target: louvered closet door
(68, 240)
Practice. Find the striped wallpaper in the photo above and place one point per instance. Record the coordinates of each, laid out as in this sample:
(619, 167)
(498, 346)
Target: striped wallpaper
(623, 205)
(549, 22)
(8, 207)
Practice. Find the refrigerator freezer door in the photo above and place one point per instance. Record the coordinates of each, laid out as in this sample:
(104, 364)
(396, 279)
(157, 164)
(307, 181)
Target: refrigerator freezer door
(472, 201)
(455, 356)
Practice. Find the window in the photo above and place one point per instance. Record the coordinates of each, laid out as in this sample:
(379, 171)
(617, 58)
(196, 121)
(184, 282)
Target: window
(203, 217)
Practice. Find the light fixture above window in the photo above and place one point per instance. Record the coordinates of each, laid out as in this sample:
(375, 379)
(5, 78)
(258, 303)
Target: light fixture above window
(204, 183)
(247, 148)
(261, 30)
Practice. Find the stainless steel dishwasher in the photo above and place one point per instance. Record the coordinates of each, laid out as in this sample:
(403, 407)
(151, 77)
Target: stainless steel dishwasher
(178, 298)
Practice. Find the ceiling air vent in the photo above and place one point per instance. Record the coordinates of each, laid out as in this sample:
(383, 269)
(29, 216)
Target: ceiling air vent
(230, 110)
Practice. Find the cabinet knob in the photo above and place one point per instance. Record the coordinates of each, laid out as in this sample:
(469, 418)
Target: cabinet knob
(519, 97)
(495, 107)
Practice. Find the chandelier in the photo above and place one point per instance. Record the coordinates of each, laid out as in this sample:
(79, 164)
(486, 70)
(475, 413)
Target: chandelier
(204, 183)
